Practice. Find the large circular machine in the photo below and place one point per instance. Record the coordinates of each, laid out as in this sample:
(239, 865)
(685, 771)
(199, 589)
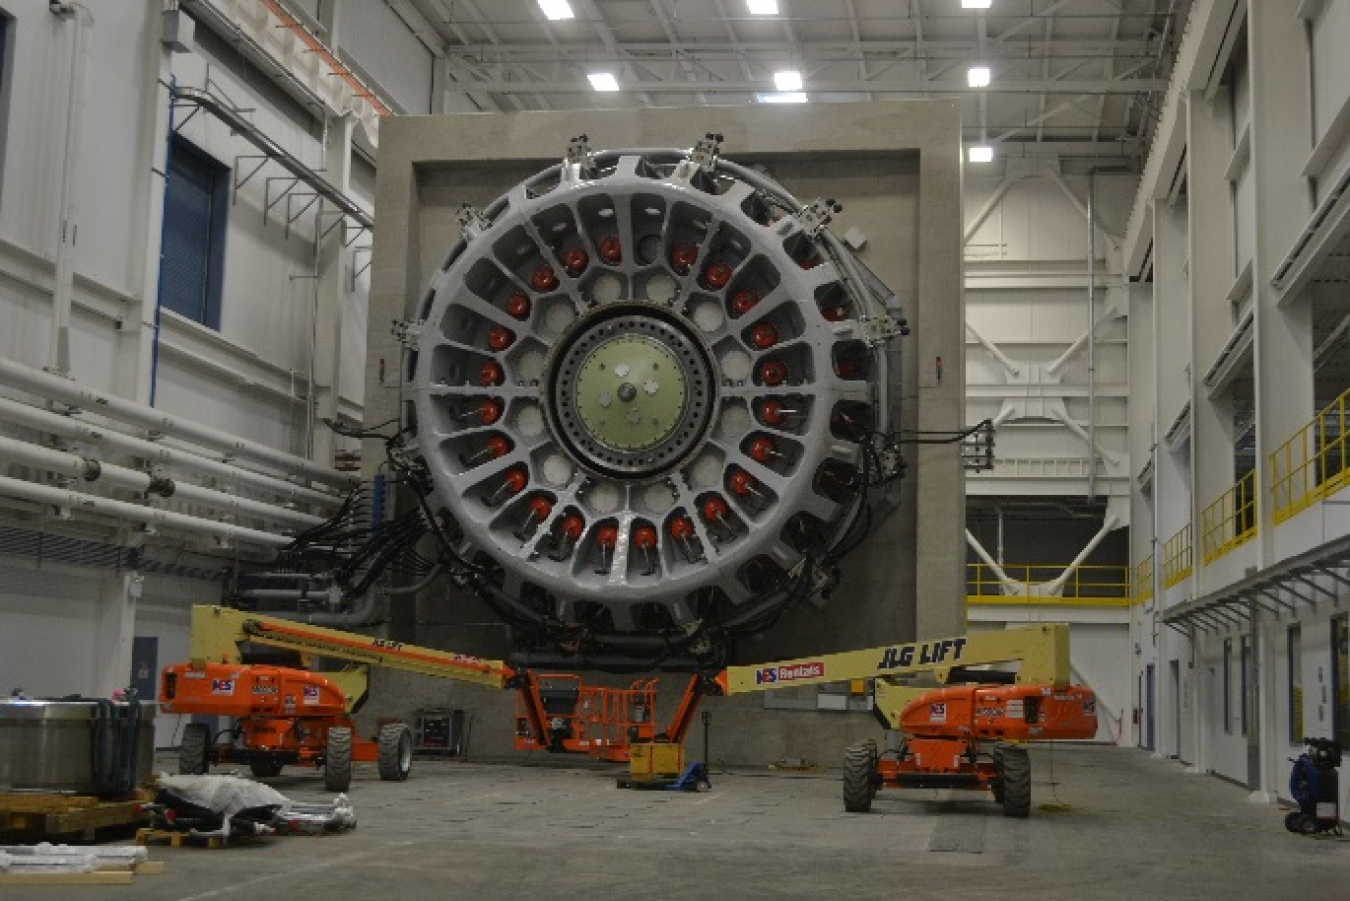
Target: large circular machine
(651, 400)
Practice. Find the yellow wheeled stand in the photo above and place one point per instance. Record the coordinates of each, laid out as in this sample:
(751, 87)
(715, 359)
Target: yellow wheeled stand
(660, 764)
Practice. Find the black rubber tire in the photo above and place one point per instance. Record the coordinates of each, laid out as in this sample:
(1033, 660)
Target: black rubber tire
(1016, 782)
(997, 785)
(337, 759)
(192, 753)
(1308, 825)
(1291, 820)
(860, 764)
(265, 769)
(395, 758)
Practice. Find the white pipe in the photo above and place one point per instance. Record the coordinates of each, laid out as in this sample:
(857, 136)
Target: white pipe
(994, 351)
(989, 206)
(88, 503)
(76, 467)
(984, 555)
(58, 354)
(1055, 585)
(67, 427)
(76, 395)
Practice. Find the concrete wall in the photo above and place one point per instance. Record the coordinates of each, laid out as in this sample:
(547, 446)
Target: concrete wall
(898, 177)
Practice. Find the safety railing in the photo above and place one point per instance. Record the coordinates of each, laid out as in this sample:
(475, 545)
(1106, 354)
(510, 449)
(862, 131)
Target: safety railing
(1230, 521)
(1141, 588)
(1178, 557)
(1084, 586)
(1313, 464)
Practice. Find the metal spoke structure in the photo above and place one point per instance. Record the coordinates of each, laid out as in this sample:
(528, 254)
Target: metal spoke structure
(1080, 78)
(654, 400)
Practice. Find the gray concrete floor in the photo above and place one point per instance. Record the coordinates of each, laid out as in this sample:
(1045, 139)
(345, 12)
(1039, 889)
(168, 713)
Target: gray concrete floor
(1106, 823)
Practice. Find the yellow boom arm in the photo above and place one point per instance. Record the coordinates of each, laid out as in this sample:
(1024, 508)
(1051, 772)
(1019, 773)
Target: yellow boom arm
(217, 632)
(1042, 652)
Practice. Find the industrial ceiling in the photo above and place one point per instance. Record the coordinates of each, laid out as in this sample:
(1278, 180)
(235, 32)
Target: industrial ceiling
(1067, 78)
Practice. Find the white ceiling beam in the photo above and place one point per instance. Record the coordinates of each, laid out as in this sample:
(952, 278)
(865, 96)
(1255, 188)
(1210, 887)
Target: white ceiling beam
(1082, 88)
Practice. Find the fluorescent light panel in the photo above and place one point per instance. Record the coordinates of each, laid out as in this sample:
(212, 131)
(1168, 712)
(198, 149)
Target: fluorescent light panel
(603, 81)
(762, 7)
(556, 9)
(980, 154)
(782, 97)
(788, 80)
(978, 76)
(976, 4)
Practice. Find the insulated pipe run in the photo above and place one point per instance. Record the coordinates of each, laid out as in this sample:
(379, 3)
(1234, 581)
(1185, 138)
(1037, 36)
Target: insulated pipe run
(53, 387)
(76, 467)
(157, 454)
(89, 503)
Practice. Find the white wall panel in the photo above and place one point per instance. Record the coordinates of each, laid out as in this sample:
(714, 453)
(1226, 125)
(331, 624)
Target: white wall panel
(384, 47)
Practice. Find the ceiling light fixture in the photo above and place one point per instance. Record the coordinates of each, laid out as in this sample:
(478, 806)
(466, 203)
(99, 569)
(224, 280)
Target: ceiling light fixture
(978, 76)
(762, 7)
(788, 80)
(980, 155)
(976, 4)
(603, 81)
(556, 9)
(782, 97)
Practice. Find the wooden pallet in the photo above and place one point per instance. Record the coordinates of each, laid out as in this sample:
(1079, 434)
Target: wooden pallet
(49, 815)
(109, 876)
(179, 839)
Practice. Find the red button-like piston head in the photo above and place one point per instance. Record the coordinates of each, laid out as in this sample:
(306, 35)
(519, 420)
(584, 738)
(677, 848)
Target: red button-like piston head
(742, 483)
(773, 373)
(764, 335)
(488, 411)
(497, 446)
(500, 338)
(834, 312)
(540, 508)
(683, 257)
(682, 528)
(490, 373)
(611, 250)
(543, 278)
(744, 300)
(714, 509)
(515, 481)
(771, 413)
(575, 260)
(644, 538)
(571, 527)
(607, 537)
(518, 305)
(717, 275)
(762, 449)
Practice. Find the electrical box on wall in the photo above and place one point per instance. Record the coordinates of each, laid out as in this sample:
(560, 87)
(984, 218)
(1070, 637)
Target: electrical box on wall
(176, 31)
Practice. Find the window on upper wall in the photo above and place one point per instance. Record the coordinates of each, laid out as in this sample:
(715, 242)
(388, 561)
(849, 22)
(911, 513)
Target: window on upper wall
(192, 258)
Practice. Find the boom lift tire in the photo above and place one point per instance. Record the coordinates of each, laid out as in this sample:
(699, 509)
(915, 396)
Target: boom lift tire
(337, 760)
(264, 769)
(395, 758)
(997, 785)
(1016, 782)
(860, 763)
(192, 756)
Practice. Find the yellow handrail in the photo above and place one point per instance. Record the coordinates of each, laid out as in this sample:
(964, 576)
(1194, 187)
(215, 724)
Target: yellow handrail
(1177, 557)
(1141, 589)
(1230, 521)
(1096, 585)
(1313, 464)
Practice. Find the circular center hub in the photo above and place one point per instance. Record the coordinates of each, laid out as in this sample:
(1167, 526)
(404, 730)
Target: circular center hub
(630, 390)
(614, 409)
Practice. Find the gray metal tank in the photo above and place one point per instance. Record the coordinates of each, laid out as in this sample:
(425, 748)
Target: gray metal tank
(64, 745)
